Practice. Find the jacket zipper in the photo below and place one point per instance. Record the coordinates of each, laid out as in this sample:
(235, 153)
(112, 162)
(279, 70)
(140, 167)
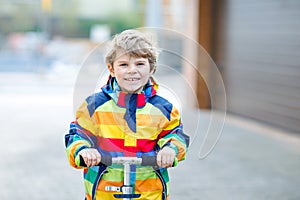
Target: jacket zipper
(163, 183)
(96, 183)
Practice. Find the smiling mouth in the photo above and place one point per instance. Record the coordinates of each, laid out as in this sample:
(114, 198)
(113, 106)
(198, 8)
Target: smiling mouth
(132, 79)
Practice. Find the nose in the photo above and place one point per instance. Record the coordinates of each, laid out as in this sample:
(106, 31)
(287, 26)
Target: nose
(132, 68)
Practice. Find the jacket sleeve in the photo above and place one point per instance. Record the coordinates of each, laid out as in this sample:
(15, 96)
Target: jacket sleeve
(174, 137)
(81, 135)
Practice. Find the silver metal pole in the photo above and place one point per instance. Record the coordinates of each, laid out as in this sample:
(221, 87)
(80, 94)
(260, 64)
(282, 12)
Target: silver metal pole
(127, 189)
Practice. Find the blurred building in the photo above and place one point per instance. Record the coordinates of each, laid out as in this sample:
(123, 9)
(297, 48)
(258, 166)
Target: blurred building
(255, 44)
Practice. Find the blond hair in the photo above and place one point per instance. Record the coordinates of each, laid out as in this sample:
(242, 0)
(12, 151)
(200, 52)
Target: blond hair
(134, 43)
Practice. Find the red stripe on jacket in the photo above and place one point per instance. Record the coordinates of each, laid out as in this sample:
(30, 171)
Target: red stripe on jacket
(117, 145)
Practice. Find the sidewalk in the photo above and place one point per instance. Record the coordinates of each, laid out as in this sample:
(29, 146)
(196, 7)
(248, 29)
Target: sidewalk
(250, 161)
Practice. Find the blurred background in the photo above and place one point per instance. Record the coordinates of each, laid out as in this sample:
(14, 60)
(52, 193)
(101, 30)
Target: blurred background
(253, 45)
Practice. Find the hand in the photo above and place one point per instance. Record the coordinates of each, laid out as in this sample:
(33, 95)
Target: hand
(165, 157)
(91, 156)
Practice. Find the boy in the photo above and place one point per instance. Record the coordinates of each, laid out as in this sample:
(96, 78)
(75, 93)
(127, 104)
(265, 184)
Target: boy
(127, 118)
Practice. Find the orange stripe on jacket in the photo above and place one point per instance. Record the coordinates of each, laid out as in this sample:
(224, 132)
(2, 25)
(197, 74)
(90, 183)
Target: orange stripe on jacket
(149, 185)
(110, 118)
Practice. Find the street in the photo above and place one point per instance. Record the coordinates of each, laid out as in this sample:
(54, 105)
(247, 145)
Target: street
(249, 161)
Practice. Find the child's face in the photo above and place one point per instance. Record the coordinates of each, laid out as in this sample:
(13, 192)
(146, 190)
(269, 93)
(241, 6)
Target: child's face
(131, 73)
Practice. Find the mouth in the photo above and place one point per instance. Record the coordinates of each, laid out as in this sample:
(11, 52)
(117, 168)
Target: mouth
(131, 79)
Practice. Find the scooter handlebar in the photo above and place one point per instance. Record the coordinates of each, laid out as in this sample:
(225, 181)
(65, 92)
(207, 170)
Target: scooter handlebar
(149, 161)
(105, 160)
(109, 160)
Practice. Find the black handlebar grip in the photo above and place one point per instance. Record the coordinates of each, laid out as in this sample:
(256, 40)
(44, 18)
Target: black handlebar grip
(149, 161)
(105, 160)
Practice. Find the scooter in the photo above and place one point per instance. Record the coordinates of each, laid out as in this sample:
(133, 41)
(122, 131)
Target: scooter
(126, 189)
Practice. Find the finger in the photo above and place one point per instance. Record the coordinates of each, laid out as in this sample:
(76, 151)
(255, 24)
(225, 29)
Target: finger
(98, 158)
(158, 159)
(170, 161)
(167, 160)
(164, 160)
(93, 159)
(89, 159)
(85, 157)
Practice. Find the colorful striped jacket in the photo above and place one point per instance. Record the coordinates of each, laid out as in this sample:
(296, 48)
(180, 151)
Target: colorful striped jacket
(121, 124)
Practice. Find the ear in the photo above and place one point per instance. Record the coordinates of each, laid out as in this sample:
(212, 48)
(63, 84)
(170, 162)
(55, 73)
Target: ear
(152, 71)
(111, 70)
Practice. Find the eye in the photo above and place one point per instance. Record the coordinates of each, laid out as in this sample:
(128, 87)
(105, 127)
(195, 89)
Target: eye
(123, 65)
(140, 64)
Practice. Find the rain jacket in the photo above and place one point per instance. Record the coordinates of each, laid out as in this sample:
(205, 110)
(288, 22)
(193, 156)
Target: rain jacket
(122, 124)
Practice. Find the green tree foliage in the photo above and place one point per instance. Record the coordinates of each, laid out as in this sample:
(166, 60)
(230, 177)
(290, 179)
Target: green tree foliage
(62, 20)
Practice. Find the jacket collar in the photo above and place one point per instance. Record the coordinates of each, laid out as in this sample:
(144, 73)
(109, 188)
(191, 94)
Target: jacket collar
(121, 98)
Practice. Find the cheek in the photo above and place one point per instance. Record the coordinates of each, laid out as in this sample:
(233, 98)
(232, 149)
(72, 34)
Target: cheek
(118, 73)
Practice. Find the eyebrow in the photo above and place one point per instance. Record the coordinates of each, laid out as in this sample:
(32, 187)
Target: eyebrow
(138, 60)
(141, 61)
(122, 61)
